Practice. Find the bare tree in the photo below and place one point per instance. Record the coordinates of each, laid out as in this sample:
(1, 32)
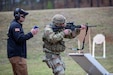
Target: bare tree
(1, 5)
(66, 3)
(91, 3)
(98, 3)
(77, 3)
(110, 3)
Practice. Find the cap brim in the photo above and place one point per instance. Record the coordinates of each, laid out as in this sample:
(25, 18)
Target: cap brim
(26, 13)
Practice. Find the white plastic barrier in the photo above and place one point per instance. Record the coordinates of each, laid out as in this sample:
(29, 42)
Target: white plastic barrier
(99, 39)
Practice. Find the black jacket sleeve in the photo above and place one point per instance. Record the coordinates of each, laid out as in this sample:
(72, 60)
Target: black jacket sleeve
(18, 33)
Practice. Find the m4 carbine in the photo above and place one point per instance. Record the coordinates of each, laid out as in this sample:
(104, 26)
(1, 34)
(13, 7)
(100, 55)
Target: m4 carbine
(70, 25)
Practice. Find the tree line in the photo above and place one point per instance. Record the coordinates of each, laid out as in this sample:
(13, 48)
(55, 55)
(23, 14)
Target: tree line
(9, 5)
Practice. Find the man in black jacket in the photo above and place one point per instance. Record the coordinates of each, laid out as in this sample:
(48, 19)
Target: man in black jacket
(16, 43)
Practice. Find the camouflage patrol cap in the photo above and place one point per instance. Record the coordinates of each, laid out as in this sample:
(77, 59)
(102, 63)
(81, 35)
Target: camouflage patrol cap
(58, 19)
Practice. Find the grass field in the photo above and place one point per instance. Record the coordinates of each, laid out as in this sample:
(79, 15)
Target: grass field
(102, 17)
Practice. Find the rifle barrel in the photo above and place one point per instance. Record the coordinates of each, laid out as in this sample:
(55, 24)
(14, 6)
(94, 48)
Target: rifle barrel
(92, 26)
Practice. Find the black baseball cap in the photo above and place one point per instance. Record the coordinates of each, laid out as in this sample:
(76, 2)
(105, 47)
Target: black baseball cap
(20, 11)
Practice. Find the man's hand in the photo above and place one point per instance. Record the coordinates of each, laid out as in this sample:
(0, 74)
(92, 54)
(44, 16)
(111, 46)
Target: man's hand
(34, 31)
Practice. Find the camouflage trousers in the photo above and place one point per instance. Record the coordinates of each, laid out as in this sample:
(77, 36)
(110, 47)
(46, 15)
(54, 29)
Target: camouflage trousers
(54, 61)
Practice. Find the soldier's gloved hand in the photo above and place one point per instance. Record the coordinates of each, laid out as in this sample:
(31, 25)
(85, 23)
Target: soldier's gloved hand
(34, 31)
(67, 31)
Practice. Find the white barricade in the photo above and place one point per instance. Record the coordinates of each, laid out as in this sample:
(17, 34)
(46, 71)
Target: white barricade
(99, 39)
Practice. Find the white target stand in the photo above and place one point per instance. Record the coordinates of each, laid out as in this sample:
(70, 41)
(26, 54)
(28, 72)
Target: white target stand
(99, 39)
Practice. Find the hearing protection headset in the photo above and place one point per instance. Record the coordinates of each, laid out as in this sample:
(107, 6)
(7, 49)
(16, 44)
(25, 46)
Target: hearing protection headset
(17, 13)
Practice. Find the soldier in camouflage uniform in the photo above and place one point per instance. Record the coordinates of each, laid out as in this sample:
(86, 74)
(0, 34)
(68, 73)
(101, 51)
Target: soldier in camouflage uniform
(54, 44)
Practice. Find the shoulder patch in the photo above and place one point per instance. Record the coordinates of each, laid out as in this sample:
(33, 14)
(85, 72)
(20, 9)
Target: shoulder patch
(17, 29)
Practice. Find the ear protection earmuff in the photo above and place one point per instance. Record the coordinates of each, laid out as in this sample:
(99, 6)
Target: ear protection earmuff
(17, 13)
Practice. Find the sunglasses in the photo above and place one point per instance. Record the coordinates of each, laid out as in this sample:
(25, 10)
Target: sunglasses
(23, 16)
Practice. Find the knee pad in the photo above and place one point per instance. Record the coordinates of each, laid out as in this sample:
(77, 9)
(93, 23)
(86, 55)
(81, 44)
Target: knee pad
(59, 70)
(61, 73)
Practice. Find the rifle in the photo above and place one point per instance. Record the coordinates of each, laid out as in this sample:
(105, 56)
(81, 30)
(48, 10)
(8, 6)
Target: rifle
(70, 25)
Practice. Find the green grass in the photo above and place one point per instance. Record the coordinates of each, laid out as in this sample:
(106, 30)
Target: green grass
(102, 17)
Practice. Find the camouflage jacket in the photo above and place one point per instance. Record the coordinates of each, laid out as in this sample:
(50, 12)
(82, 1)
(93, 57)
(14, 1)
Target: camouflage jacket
(53, 41)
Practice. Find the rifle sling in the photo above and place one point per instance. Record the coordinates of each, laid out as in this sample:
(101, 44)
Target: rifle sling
(84, 39)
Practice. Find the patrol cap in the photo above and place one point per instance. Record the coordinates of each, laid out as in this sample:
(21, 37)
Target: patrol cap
(58, 18)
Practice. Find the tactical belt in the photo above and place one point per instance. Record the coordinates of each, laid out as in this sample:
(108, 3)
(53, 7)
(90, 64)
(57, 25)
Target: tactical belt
(49, 51)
